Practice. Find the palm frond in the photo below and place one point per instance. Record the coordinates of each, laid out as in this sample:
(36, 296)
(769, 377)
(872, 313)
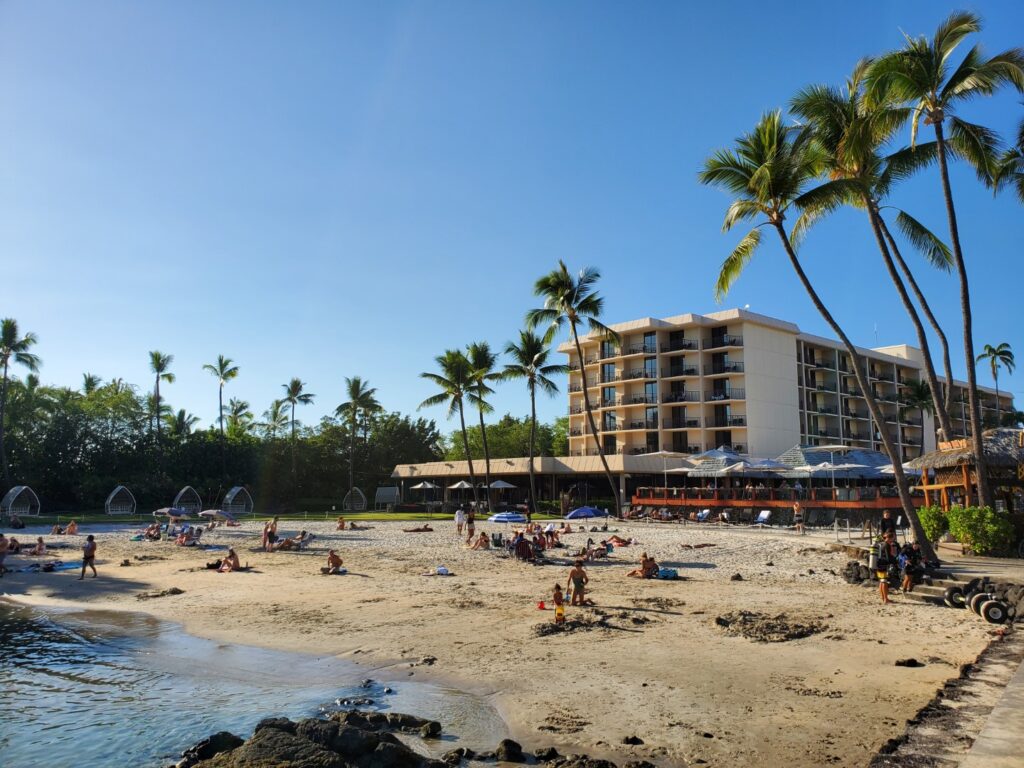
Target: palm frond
(976, 144)
(925, 241)
(734, 264)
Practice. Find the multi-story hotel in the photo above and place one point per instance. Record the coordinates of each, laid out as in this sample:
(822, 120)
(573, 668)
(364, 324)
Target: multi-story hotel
(756, 384)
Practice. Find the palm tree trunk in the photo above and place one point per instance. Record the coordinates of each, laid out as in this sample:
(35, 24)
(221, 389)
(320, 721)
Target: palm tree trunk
(156, 406)
(995, 376)
(487, 460)
(946, 365)
(3, 430)
(469, 458)
(977, 436)
(900, 478)
(352, 453)
(533, 437)
(908, 305)
(593, 425)
(293, 440)
(220, 402)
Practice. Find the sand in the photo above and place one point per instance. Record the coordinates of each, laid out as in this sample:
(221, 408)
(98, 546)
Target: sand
(653, 664)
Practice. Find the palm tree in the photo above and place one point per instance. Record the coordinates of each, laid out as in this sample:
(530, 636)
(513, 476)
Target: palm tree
(13, 348)
(483, 361)
(853, 134)
(160, 364)
(1010, 169)
(573, 300)
(294, 395)
(239, 416)
(90, 383)
(225, 370)
(920, 74)
(275, 419)
(998, 356)
(767, 171)
(180, 424)
(361, 402)
(456, 384)
(530, 362)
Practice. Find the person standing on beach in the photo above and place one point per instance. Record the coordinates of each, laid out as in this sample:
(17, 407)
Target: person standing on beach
(798, 517)
(460, 520)
(578, 580)
(559, 600)
(89, 556)
(470, 524)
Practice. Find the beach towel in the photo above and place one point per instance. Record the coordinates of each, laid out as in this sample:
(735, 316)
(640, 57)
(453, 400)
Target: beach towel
(669, 574)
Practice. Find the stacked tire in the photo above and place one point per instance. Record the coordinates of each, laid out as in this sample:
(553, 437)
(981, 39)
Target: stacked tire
(997, 603)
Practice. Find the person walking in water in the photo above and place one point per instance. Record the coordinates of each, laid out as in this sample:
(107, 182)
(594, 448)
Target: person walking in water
(89, 556)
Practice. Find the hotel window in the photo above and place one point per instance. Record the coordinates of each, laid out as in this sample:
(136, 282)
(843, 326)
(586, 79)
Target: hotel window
(650, 367)
(650, 342)
(608, 396)
(651, 391)
(607, 349)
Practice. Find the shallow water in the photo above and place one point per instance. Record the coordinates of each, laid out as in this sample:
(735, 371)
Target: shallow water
(103, 689)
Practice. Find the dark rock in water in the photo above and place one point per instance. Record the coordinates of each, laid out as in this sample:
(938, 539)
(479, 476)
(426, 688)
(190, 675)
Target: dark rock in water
(639, 764)
(389, 690)
(457, 755)
(209, 747)
(431, 730)
(736, 577)
(908, 663)
(366, 683)
(271, 746)
(509, 751)
(580, 761)
(632, 740)
(545, 753)
(278, 723)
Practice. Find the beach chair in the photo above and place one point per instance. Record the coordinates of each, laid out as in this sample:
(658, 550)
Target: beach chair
(763, 519)
(703, 515)
(310, 537)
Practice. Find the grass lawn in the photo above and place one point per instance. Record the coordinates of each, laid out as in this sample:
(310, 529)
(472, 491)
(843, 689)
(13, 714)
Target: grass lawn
(99, 517)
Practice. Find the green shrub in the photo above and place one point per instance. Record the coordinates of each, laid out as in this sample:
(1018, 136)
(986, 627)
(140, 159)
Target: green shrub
(934, 521)
(984, 531)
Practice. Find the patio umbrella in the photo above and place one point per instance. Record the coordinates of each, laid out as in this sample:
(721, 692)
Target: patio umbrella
(218, 513)
(507, 517)
(460, 486)
(583, 513)
(665, 456)
(425, 485)
(501, 484)
(172, 512)
(889, 469)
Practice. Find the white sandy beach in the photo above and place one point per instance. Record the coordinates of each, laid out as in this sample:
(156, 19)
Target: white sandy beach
(662, 669)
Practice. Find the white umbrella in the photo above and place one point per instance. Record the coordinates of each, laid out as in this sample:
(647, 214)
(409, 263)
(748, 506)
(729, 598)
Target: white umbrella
(665, 456)
(460, 486)
(501, 484)
(889, 469)
(425, 485)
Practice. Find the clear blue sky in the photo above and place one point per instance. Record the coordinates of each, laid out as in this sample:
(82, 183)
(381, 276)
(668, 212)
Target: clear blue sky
(332, 189)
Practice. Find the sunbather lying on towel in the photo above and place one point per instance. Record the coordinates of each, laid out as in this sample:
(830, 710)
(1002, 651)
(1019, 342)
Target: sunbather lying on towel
(618, 541)
(422, 529)
(289, 544)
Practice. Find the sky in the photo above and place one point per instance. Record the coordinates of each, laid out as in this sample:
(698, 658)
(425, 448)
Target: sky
(322, 190)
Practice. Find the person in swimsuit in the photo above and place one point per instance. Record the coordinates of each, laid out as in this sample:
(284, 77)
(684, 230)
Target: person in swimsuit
(333, 563)
(40, 548)
(798, 518)
(341, 524)
(578, 580)
(888, 553)
(230, 563)
(270, 535)
(72, 529)
(88, 556)
(558, 598)
(421, 529)
(4, 545)
(482, 542)
(470, 524)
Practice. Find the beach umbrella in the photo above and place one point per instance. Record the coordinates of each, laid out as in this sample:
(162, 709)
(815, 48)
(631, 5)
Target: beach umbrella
(507, 517)
(583, 513)
(501, 484)
(218, 513)
(172, 512)
(889, 469)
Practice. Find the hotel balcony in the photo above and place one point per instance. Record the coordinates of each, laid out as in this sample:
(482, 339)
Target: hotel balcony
(638, 400)
(732, 421)
(733, 393)
(680, 423)
(679, 370)
(690, 396)
(680, 345)
(716, 369)
(720, 342)
(647, 424)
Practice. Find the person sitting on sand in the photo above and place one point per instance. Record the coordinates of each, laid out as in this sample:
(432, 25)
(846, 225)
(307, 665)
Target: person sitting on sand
(422, 529)
(230, 562)
(333, 564)
(56, 530)
(3, 553)
(648, 568)
(341, 524)
(578, 580)
(39, 549)
(13, 546)
(559, 600)
(482, 542)
(152, 533)
(72, 529)
(565, 528)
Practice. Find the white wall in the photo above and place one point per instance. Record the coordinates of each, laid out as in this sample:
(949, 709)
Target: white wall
(773, 407)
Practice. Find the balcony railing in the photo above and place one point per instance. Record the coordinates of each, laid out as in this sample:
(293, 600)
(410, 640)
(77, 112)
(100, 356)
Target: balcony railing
(644, 424)
(828, 410)
(716, 368)
(690, 396)
(575, 409)
(827, 433)
(640, 400)
(716, 395)
(641, 349)
(680, 370)
(852, 392)
(680, 423)
(575, 387)
(825, 386)
(575, 366)
(726, 340)
(678, 345)
(854, 415)
(734, 447)
(732, 421)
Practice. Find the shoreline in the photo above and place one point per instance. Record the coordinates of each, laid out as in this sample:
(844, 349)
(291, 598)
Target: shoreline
(653, 663)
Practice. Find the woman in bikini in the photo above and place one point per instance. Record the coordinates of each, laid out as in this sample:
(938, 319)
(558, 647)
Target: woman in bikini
(230, 563)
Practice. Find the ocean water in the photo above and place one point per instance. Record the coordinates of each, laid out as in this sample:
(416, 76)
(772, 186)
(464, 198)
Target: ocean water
(112, 689)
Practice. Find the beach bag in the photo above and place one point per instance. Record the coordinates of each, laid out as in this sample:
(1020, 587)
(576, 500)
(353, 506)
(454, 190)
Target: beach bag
(670, 574)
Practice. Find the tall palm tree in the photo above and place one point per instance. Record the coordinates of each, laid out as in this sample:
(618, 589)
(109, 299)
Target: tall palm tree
(530, 363)
(1010, 169)
(239, 416)
(13, 348)
(768, 170)
(90, 383)
(225, 370)
(456, 384)
(1001, 355)
(573, 301)
(920, 74)
(294, 394)
(361, 402)
(180, 424)
(275, 419)
(853, 134)
(483, 361)
(160, 364)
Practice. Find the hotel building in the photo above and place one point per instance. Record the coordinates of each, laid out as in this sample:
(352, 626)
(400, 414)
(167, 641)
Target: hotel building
(756, 384)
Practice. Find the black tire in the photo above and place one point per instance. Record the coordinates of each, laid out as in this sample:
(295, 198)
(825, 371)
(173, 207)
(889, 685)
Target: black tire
(954, 598)
(974, 585)
(975, 602)
(993, 611)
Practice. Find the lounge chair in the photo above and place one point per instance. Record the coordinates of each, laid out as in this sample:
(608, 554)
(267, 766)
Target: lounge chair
(306, 541)
(703, 515)
(763, 519)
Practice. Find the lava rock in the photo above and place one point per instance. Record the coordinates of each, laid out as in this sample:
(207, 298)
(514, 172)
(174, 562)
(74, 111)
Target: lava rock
(632, 740)
(222, 741)
(545, 753)
(911, 662)
(509, 751)
(639, 764)
(736, 577)
(277, 723)
(430, 730)
(271, 746)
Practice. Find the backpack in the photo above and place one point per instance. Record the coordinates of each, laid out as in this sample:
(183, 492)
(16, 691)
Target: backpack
(669, 574)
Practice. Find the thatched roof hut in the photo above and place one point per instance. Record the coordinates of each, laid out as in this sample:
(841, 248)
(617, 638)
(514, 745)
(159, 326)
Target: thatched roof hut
(1002, 449)
(950, 473)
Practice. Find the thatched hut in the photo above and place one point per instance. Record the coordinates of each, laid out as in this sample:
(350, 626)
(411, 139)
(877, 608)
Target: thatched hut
(950, 477)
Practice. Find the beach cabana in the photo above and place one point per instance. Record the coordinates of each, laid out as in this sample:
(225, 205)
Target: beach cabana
(20, 501)
(188, 500)
(238, 501)
(949, 475)
(354, 501)
(120, 502)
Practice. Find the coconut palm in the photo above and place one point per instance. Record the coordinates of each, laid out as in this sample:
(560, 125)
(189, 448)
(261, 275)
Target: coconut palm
(275, 419)
(361, 403)
(160, 364)
(225, 370)
(483, 361)
(14, 348)
(239, 416)
(1010, 168)
(530, 363)
(573, 301)
(853, 134)
(90, 383)
(295, 395)
(768, 170)
(180, 424)
(996, 357)
(455, 381)
(920, 74)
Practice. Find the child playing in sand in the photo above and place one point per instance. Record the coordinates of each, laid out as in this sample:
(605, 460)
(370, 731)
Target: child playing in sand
(341, 524)
(559, 600)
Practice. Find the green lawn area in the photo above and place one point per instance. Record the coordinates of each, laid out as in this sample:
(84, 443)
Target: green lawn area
(99, 517)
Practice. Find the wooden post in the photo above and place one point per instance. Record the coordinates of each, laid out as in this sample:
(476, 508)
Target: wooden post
(945, 500)
(967, 484)
(927, 501)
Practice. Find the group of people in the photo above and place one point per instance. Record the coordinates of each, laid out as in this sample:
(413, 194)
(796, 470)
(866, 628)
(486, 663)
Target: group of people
(70, 530)
(894, 561)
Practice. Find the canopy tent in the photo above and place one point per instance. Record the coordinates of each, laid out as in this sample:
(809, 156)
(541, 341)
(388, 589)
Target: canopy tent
(188, 500)
(21, 501)
(238, 501)
(120, 502)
